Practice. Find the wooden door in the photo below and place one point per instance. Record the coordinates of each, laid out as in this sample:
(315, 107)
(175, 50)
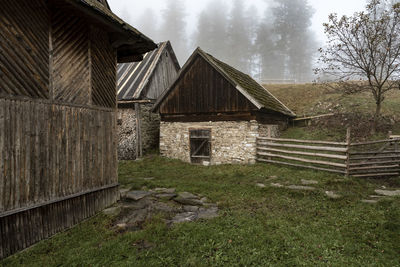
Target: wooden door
(200, 145)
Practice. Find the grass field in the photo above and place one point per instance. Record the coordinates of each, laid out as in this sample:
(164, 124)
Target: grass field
(313, 99)
(256, 227)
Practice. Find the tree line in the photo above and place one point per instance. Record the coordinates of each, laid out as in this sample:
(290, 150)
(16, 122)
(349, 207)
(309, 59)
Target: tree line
(278, 45)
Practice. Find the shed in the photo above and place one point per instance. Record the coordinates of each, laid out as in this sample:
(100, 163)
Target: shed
(58, 106)
(139, 85)
(213, 113)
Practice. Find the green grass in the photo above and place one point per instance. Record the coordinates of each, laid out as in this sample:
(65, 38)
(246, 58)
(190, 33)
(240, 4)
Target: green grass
(257, 226)
(313, 99)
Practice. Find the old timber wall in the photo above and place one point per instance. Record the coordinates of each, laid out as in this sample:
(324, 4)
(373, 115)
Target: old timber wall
(58, 166)
(231, 141)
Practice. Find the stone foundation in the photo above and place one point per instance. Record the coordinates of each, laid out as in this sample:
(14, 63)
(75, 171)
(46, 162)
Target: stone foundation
(231, 141)
(150, 131)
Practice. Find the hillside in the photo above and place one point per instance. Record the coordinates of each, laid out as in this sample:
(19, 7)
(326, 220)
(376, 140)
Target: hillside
(355, 111)
(314, 99)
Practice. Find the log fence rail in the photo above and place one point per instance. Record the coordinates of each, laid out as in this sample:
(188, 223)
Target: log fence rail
(363, 159)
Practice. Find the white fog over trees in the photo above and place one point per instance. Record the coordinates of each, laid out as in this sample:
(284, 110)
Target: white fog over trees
(279, 45)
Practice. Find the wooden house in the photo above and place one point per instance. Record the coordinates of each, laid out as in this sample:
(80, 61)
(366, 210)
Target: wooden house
(213, 113)
(58, 143)
(139, 85)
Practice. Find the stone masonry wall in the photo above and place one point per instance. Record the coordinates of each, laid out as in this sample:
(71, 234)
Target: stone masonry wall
(126, 123)
(150, 131)
(150, 128)
(231, 141)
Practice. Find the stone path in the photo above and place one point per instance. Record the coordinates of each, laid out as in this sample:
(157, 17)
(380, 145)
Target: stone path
(306, 185)
(136, 207)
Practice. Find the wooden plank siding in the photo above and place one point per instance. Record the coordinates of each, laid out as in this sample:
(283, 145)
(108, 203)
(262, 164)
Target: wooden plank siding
(45, 149)
(202, 89)
(50, 152)
(24, 48)
(58, 161)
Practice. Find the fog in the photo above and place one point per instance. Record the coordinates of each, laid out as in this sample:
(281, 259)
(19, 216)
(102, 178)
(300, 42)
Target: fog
(268, 39)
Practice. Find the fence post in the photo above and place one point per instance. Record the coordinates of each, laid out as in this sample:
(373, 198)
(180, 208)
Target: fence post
(269, 135)
(348, 139)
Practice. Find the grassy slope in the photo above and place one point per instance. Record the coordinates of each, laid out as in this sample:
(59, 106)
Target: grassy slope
(313, 99)
(258, 226)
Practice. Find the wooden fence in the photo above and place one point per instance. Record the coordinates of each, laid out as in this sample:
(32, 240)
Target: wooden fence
(367, 159)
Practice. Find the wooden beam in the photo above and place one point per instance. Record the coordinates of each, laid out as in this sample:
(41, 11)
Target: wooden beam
(303, 141)
(323, 148)
(301, 166)
(332, 156)
(341, 165)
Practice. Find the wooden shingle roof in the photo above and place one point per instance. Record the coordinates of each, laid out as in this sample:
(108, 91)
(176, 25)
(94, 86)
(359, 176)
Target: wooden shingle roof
(129, 42)
(132, 78)
(251, 89)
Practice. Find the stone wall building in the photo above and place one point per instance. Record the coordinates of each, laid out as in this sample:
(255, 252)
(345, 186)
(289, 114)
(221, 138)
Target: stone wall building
(139, 85)
(213, 114)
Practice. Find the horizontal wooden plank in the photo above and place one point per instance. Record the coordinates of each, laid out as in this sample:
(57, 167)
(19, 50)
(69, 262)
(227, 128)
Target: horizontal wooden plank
(374, 163)
(376, 174)
(374, 152)
(331, 156)
(376, 167)
(301, 166)
(375, 142)
(333, 164)
(317, 142)
(394, 156)
(321, 148)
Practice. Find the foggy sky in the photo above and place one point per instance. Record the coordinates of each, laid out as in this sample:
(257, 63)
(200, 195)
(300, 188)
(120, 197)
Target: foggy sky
(129, 10)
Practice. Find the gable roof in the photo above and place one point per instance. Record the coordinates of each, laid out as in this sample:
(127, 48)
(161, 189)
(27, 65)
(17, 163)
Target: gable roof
(130, 42)
(246, 85)
(132, 78)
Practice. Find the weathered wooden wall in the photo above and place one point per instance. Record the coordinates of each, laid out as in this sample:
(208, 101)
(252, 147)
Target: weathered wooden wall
(163, 76)
(48, 153)
(58, 161)
(202, 89)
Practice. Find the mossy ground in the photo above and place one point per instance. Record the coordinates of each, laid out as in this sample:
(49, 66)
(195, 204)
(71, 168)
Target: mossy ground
(256, 227)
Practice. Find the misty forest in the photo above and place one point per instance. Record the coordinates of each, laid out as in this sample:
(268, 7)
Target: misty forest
(279, 45)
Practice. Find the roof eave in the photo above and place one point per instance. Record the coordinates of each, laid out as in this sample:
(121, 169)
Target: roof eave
(126, 39)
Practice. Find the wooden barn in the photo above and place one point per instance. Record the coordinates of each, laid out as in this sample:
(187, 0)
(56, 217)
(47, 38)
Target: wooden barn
(139, 85)
(213, 113)
(58, 106)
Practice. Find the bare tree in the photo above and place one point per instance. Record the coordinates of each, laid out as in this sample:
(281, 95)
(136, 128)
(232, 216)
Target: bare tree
(364, 48)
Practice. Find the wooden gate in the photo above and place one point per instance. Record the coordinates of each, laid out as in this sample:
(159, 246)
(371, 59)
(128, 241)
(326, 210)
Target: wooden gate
(200, 145)
(375, 158)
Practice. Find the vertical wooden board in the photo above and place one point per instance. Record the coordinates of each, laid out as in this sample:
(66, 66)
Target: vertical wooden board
(2, 159)
(27, 153)
(32, 159)
(6, 156)
(36, 125)
(12, 154)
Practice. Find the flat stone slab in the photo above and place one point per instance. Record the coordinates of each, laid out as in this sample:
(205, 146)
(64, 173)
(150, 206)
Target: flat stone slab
(388, 193)
(184, 217)
(308, 182)
(300, 187)
(123, 192)
(165, 190)
(113, 211)
(369, 201)
(137, 195)
(375, 196)
(188, 201)
(190, 208)
(166, 196)
(208, 213)
(188, 195)
(277, 185)
(260, 185)
(332, 195)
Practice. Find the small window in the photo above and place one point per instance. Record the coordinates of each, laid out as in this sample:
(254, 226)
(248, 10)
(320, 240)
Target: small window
(200, 146)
